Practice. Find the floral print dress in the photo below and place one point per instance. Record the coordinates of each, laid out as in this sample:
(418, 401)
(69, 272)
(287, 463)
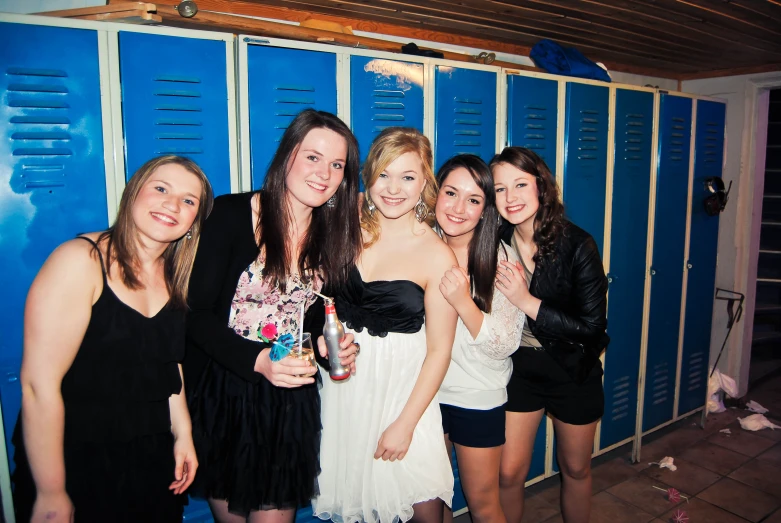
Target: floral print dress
(261, 307)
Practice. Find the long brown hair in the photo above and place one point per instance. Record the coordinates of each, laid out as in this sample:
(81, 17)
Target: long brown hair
(178, 257)
(549, 220)
(389, 145)
(333, 240)
(482, 253)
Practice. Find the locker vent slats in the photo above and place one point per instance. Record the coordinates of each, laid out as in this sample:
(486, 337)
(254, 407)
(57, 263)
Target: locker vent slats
(173, 115)
(38, 101)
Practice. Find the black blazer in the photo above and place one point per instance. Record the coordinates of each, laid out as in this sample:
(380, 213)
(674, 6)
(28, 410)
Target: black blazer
(572, 319)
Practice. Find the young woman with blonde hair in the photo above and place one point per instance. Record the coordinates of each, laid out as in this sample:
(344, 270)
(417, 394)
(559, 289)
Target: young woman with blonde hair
(382, 455)
(104, 418)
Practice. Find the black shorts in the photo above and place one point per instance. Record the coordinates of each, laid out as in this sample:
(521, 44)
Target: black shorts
(472, 427)
(539, 382)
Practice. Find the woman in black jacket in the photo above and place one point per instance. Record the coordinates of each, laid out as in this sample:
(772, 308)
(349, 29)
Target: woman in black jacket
(560, 285)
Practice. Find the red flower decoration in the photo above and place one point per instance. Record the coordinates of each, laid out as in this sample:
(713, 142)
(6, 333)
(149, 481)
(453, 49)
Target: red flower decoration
(268, 332)
(673, 495)
(680, 517)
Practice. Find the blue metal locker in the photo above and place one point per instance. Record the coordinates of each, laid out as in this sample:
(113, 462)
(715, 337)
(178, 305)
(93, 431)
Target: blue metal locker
(668, 250)
(53, 182)
(634, 117)
(532, 115)
(585, 157)
(282, 83)
(465, 113)
(176, 105)
(384, 93)
(708, 158)
(537, 467)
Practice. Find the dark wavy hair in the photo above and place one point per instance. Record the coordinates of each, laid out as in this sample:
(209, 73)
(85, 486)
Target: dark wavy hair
(483, 256)
(549, 220)
(333, 239)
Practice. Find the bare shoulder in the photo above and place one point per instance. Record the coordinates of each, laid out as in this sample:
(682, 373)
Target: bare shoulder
(74, 261)
(436, 255)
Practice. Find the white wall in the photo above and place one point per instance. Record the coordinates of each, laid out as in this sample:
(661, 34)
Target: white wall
(746, 97)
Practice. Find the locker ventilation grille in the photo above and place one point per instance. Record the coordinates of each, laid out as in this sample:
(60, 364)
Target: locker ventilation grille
(696, 376)
(467, 125)
(620, 407)
(712, 149)
(660, 383)
(587, 135)
(177, 104)
(540, 122)
(38, 102)
(385, 111)
(635, 134)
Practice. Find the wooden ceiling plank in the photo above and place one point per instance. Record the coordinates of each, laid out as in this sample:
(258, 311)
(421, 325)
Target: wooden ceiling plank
(627, 11)
(451, 24)
(761, 8)
(725, 9)
(698, 23)
(567, 24)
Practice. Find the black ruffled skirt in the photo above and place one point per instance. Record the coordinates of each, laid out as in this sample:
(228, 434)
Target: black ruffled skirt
(118, 481)
(257, 444)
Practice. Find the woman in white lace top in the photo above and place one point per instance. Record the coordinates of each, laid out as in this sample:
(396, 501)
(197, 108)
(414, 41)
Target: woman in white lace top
(474, 392)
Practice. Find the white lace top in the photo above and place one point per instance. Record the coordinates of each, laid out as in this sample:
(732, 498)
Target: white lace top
(480, 368)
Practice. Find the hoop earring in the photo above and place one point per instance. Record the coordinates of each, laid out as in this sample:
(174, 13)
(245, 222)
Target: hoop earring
(370, 205)
(331, 203)
(421, 209)
(189, 234)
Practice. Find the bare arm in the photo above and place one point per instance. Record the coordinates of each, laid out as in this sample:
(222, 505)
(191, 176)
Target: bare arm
(56, 316)
(184, 450)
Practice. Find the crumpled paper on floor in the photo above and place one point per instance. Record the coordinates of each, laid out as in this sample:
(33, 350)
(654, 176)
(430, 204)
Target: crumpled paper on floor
(726, 431)
(716, 383)
(753, 406)
(666, 463)
(757, 422)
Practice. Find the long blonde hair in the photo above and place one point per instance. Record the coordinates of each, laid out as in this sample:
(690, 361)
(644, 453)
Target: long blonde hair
(389, 145)
(179, 255)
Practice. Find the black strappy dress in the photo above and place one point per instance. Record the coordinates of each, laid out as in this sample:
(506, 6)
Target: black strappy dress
(118, 444)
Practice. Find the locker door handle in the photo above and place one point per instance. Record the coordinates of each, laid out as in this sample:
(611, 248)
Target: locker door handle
(688, 265)
(611, 278)
(12, 377)
(653, 272)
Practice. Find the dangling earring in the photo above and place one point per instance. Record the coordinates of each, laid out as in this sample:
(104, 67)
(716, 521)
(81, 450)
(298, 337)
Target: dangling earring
(421, 209)
(370, 205)
(499, 219)
(331, 203)
(189, 234)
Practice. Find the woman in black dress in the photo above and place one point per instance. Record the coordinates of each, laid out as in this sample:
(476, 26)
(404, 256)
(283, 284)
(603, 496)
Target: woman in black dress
(263, 255)
(560, 285)
(106, 432)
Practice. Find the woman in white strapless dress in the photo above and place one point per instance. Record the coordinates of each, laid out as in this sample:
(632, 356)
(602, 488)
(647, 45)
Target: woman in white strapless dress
(382, 455)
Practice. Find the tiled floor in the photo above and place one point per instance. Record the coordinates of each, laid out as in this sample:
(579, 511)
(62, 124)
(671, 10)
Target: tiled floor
(728, 478)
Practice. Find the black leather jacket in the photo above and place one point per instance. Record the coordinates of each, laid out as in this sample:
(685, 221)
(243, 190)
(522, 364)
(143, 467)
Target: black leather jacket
(572, 319)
